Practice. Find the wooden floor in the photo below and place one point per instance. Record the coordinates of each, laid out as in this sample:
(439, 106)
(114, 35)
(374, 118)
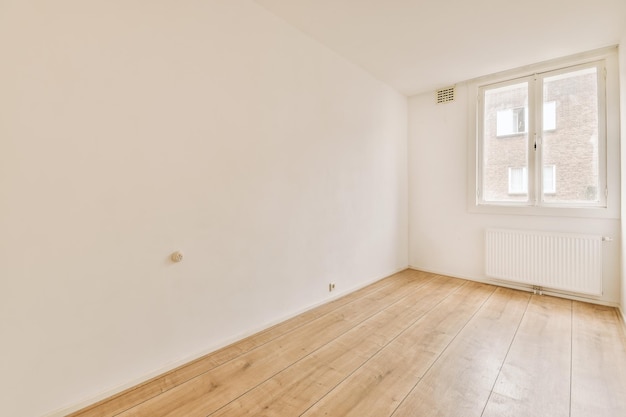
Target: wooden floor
(413, 344)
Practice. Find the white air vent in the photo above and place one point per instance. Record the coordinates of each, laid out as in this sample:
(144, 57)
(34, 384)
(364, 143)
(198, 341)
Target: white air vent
(445, 95)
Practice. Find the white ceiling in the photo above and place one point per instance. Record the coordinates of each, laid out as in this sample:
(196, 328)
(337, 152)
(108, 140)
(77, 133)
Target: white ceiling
(420, 45)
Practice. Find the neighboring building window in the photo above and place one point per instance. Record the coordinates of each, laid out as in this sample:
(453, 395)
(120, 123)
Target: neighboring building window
(549, 179)
(521, 170)
(518, 180)
(511, 122)
(549, 115)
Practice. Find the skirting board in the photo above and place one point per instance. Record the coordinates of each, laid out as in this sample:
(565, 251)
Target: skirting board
(223, 343)
(521, 287)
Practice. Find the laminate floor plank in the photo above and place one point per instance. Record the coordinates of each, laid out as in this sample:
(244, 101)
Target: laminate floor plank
(295, 389)
(380, 385)
(598, 362)
(460, 381)
(212, 390)
(535, 378)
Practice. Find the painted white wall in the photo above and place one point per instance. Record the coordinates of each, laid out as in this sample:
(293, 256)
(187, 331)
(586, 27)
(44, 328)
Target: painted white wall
(131, 129)
(445, 237)
(622, 63)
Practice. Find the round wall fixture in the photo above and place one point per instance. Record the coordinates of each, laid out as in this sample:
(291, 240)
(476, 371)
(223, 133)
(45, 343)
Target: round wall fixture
(177, 256)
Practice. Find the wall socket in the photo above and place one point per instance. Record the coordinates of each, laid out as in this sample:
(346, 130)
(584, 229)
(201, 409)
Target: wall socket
(331, 286)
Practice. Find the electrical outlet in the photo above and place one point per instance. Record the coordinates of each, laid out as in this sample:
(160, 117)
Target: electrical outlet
(331, 286)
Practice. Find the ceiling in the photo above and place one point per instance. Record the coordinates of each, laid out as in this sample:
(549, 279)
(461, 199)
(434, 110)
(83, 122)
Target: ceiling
(419, 45)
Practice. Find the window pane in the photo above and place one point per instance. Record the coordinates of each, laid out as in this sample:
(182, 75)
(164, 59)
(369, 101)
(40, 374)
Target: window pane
(572, 148)
(505, 144)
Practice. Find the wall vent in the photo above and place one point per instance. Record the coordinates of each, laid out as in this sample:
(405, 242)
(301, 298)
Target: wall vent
(445, 95)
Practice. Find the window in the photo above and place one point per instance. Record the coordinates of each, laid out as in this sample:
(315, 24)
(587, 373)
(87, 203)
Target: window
(549, 115)
(518, 180)
(514, 121)
(511, 122)
(549, 179)
(521, 148)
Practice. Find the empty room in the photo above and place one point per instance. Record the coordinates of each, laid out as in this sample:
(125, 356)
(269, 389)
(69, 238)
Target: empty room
(312, 208)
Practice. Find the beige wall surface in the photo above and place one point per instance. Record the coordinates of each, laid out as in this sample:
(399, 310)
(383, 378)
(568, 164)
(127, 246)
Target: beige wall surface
(622, 55)
(132, 129)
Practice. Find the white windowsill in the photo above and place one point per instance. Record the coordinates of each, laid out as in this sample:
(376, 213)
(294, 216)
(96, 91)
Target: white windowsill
(552, 211)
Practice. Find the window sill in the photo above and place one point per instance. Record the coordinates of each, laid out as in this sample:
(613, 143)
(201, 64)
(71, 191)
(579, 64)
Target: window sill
(514, 209)
(512, 135)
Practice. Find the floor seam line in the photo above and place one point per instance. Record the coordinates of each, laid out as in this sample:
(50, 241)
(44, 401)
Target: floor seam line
(383, 347)
(519, 324)
(442, 352)
(320, 347)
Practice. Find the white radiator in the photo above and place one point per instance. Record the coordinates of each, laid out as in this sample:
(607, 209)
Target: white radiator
(559, 261)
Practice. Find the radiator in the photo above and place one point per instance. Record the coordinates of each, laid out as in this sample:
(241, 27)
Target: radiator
(559, 261)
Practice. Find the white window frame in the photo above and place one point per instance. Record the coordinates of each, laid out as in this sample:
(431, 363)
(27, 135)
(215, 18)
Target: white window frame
(608, 140)
(534, 133)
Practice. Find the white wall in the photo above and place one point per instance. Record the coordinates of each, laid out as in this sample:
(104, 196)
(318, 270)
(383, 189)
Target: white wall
(131, 129)
(622, 62)
(444, 236)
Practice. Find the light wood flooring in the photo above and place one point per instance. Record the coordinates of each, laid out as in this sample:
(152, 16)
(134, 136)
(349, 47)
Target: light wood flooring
(413, 344)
